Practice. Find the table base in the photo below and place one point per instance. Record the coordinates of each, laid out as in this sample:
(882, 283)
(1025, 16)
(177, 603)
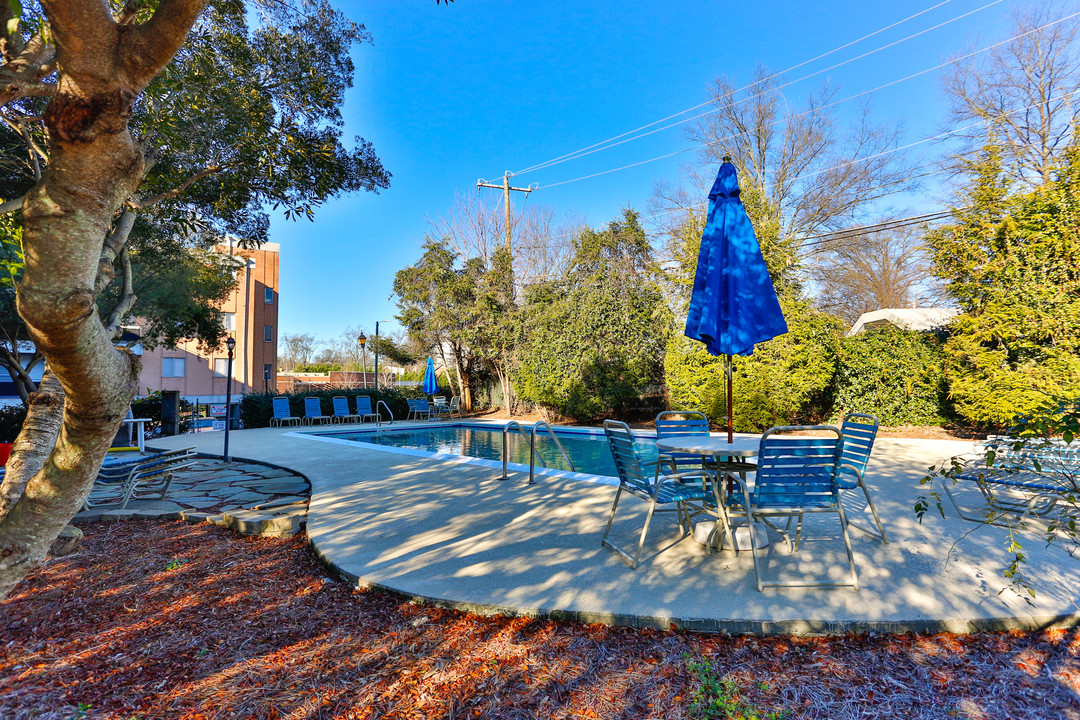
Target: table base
(741, 532)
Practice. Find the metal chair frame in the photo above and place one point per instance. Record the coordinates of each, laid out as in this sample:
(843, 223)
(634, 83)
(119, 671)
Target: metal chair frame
(341, 410)
(797, 475)
(280, 419)
(313, 412)
(859, 431)
(657, 491)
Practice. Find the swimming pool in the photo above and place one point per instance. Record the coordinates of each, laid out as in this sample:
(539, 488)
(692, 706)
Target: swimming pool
(587, 448)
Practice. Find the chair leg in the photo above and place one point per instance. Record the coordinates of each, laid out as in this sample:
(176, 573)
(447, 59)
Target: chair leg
(847, 544)
(873, 511)
(611, 517)
(754, 549)
(644, 532)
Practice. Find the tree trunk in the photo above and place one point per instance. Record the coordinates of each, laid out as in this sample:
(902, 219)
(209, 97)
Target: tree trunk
(95, 166)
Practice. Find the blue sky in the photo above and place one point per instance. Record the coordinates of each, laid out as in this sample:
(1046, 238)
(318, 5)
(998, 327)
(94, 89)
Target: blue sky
(448, 95)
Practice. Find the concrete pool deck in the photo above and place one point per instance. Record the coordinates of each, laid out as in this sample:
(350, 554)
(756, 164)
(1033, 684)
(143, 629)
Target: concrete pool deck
(453, 533)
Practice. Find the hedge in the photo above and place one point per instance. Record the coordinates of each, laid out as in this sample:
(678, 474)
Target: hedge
(897, 375)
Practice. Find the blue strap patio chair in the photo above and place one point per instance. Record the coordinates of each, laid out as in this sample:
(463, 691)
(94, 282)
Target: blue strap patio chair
(678, 423)
(440, 407)
(859, 431)
(282, 414)
(658, 490)
(364, 411)
(423, 409)
(797, 475)
(313, 412)
(341, 410)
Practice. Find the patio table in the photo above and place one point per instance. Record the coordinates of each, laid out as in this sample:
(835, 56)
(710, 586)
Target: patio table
(709, 446)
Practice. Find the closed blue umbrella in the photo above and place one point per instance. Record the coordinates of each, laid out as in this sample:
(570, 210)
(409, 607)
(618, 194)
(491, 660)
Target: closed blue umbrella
(734, 303)
(431, 385)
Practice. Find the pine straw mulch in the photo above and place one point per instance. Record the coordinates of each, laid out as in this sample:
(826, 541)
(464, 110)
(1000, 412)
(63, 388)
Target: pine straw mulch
(170, 620)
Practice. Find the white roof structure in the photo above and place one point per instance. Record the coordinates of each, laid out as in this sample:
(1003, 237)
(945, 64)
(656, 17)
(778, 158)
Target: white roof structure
(905, 318)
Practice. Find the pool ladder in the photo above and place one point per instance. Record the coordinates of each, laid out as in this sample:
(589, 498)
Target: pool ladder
(533, 454)
(379, 414)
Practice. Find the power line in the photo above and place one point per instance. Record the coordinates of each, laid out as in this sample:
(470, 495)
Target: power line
(825, 170)
(822, 107)
(604, 144)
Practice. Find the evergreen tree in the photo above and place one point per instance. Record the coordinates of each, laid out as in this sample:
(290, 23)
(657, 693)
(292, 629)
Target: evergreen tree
(1013, 264)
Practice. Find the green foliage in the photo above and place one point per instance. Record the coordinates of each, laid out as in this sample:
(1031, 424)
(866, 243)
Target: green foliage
(785, 381)
(897, 375)
(437, 298)
(592, 343)
(11, 422)
(180, 289)
(718, 698)
(256, 98)
(11, 252)
(317, 368)
(1013, 263)
(257, 408)
(150, 407)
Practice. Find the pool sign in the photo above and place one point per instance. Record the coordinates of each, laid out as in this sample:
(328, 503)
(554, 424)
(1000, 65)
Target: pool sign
(218, 425)
(217, 410)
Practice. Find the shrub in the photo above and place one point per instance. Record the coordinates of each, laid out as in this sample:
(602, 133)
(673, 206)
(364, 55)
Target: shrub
(11, 421)
(785, 381)
(897, 375)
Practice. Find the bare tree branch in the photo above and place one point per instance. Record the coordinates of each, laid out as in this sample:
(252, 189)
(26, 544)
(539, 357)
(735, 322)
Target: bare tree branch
(135, 204)
(1025, 91)
(152, 45)
(22, 75)
(127, 296)
(11, 205)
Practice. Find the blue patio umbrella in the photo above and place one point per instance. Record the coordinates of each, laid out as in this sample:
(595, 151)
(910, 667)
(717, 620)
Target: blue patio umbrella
(431, 385)
(734, 303)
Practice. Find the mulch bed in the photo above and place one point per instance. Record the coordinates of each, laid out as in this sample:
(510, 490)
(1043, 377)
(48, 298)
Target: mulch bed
(170, 620)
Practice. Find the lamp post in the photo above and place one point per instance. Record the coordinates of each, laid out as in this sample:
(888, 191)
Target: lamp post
(376, 356)
(266, 380)
(231, 345)
(363, 353)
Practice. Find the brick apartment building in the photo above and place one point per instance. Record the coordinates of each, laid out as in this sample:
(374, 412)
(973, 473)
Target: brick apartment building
(251, 317)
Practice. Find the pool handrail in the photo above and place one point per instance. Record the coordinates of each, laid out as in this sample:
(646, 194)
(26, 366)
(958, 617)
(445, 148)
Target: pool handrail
(532, 443)
(506, 448)
(379, 414)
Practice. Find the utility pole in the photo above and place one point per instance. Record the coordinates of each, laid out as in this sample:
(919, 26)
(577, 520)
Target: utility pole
(505, 187)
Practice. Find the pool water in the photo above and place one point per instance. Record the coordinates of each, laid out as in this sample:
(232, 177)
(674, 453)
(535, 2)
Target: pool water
(589, 452)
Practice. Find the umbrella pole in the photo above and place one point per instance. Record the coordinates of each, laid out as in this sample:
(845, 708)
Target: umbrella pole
(730, 424)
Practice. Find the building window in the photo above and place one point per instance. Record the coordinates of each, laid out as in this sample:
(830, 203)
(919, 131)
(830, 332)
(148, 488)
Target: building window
(269, 296)
(221, 367)
(268, 333)
(228, 321)
(172, 367)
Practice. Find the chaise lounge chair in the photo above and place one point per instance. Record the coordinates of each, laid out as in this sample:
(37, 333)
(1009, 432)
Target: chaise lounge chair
(313, 412)
(142, 478)
(341, 410)
(364, 411)
(282, 414)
